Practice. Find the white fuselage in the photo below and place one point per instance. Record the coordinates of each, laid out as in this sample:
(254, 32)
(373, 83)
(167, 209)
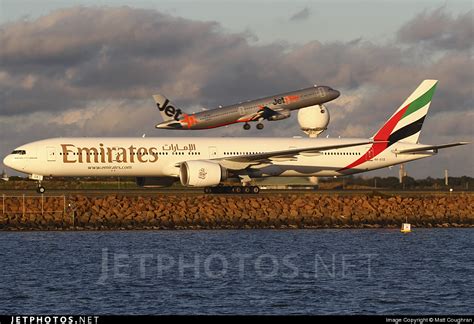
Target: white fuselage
(156, 157)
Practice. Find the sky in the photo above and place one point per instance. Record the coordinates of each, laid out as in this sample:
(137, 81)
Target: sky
(89, 68)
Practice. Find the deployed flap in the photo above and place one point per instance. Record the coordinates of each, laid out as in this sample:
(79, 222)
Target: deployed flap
(244, 161)
(428, 148)
(266, 113)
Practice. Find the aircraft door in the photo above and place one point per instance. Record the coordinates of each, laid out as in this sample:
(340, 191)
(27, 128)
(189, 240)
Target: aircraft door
(51, 153)
(212, 152)
(370, 154)
(241, 110)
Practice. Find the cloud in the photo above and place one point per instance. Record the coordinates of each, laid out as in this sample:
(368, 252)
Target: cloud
(438, 29)
(303, 14)
(91, 71)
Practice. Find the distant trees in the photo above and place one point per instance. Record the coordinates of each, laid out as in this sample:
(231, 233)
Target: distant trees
(409, 183)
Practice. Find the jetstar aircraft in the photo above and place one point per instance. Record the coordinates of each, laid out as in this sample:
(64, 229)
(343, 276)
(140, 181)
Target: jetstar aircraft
(207, 162)
(270, 108)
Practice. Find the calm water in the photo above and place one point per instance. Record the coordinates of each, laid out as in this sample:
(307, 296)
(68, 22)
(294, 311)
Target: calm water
(238, 272)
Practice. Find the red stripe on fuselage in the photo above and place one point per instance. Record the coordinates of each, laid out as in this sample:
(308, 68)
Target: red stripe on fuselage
(382, 135)
(373, 151)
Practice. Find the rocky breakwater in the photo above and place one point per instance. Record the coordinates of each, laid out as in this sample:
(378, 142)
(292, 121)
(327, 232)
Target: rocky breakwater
(235, 212)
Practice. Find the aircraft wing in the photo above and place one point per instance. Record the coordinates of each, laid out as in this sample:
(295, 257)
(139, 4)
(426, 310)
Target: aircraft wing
(244, 161)
(428, 148)
(251, 117)
(266, 113)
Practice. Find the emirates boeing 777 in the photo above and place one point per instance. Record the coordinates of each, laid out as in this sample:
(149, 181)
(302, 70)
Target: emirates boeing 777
(208, 162)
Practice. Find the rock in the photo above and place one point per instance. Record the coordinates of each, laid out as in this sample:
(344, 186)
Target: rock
(210, 211)
(150, 215)
(254, 204)
(293, 213)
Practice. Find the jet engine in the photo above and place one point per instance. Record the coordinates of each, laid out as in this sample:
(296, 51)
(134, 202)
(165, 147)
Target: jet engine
(153, 182)
(201, 174)
(313, 120)
(279, 115)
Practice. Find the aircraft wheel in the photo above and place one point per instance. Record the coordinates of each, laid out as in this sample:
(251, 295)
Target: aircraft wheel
(247, 190)
(246, 126)
(207, 190)
(40, 190)
(260, 126)
(238, 190)
(255, 190)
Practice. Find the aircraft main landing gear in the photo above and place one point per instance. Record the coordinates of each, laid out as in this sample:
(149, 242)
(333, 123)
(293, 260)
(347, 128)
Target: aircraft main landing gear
(260, 126)
(246, 126)
(233, 190)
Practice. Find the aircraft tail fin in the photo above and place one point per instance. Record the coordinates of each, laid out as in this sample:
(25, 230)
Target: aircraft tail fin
(405, 124)
(167, 110)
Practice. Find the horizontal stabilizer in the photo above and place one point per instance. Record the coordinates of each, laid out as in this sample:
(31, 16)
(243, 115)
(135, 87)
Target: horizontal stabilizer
(428, 148)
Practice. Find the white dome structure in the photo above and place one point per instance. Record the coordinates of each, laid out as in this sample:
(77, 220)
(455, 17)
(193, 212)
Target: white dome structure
(313, 120)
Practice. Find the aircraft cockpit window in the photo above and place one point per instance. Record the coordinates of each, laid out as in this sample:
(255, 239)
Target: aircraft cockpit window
(20, 152)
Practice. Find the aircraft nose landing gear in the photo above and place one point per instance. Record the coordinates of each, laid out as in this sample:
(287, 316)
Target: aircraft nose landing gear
(40, 189)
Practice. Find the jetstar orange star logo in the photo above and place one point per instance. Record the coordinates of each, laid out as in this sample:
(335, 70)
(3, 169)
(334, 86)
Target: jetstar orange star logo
(190, 120)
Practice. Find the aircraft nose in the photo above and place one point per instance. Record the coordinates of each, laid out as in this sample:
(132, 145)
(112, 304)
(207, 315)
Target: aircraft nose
(7, 161)
(335, 93)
